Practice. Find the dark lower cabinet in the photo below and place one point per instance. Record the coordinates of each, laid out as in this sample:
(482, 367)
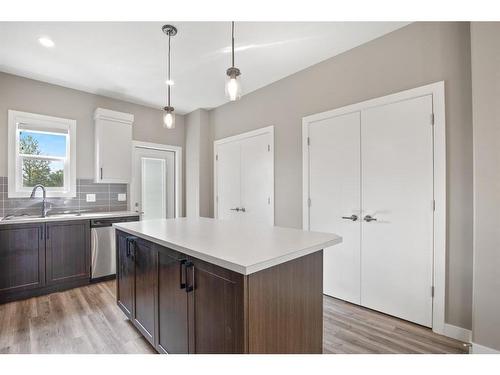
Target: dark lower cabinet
(172, 303)
(67, 251)
(180, 304)
(144, 312)
(22, 258)
(125, 274)
(215, 307)
(41, 258)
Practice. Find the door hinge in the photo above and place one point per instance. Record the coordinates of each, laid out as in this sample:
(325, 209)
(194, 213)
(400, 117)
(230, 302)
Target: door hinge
(432, 118)
(308, 141)
(309, 202)
(216, 157)
(432, 291)
(268, 147)
(433, 205)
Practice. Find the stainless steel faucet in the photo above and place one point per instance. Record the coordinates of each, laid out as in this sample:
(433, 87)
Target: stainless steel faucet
(44, 205)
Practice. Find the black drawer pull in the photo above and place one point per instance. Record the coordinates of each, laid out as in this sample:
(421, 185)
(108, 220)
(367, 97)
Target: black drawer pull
(189, 288)
(130, 241)
(182, 273)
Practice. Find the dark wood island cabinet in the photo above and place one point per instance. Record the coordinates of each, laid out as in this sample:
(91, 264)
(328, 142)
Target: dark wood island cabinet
(184, 304)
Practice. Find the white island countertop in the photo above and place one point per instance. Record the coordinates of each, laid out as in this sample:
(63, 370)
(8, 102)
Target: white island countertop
(240, 247)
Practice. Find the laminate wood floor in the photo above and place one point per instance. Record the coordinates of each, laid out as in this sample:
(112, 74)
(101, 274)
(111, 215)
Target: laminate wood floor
(349, 328)
(87, 320)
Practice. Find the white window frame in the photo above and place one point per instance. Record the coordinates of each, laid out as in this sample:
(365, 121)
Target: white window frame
(35, 122)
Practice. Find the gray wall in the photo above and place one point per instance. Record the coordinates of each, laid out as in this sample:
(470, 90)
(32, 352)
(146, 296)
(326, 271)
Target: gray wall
(416, 55)
(28, 95)
(199, 159)
(192, 123)
(485, 45)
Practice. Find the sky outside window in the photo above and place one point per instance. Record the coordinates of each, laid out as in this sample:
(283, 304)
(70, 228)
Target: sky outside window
(47, 144)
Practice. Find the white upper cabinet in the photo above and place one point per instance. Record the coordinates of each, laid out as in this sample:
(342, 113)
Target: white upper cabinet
(113, 146)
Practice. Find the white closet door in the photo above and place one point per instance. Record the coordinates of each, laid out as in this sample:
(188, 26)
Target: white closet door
(334, 177)
(397, 190)
(228, 180)
(257, 179)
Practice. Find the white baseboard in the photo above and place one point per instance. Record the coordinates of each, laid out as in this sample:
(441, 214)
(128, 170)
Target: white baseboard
(457, 333)
(480, 349)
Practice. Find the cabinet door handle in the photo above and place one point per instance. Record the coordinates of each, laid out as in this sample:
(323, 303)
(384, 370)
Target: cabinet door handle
(132, 252)
(101, 173)
(41, 232)
(189, 288)
(182, 271)
(130, 241)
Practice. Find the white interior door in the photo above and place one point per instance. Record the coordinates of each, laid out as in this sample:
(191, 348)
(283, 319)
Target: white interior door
(397, 190)
(154, 183)
(334, 178)
(228, 180)
(244, 175)
(257, 179)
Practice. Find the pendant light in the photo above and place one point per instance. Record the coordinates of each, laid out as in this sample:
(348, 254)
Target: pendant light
(169, 116)
(233, 84)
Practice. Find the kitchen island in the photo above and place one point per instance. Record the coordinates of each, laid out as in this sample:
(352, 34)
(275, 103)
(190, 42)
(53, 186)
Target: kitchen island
(209, 286)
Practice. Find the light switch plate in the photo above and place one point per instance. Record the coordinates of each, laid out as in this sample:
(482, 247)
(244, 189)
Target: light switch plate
(90, 197)
(122, 197)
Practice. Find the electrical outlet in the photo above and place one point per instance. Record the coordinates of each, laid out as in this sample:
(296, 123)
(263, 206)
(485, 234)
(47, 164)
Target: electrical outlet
(90, 197)
(122, 197)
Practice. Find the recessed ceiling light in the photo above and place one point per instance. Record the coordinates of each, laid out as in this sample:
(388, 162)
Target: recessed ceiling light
(46, 42)
(169, 82)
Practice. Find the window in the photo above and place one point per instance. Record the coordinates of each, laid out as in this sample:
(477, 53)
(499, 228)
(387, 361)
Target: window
(41, 151)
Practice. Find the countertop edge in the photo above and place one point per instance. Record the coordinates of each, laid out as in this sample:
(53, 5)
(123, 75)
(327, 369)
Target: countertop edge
(248, 270)
(70, 217)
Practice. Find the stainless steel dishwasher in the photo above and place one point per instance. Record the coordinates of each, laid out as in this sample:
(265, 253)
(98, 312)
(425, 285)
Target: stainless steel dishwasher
(103, 246)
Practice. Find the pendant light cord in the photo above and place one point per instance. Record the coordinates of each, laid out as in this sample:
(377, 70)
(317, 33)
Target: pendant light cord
(168, 72)
(232, 41)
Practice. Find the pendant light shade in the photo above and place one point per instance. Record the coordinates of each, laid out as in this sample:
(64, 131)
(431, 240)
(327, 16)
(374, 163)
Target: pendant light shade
(233, 79)
(169, 115)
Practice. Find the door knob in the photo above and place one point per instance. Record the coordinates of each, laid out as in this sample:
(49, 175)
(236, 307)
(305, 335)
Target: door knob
(352, 217)
(235, 209)
(369, 218)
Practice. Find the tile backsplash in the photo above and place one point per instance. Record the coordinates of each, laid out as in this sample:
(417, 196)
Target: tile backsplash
(106, 199)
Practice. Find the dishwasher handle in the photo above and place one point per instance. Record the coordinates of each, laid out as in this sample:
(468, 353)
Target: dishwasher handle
(100, 224)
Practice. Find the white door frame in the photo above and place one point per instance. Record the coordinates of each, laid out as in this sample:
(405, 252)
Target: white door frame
(439, 241)
(252, 133)
(177, 150)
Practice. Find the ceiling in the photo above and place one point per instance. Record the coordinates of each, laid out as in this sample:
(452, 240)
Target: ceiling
(127, 60)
